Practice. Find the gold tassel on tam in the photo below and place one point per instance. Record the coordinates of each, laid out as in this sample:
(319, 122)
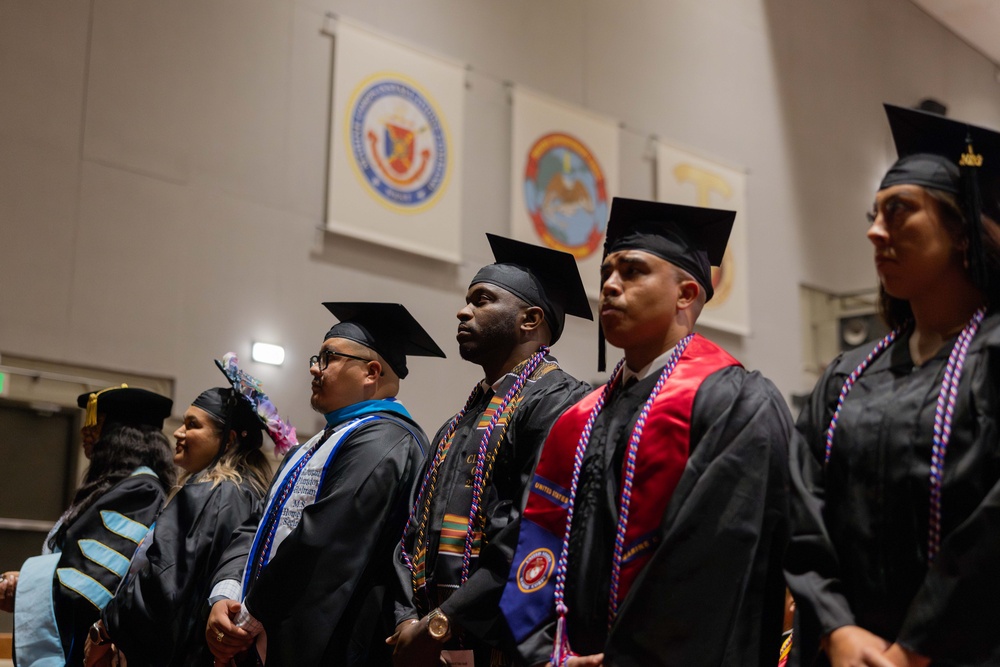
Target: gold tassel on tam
(90, 419)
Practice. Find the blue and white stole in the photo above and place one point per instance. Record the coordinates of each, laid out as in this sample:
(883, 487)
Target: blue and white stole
(301, 479)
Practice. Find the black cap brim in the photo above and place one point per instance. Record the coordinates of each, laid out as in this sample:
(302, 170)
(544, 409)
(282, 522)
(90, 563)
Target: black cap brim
(130, 406)
(387, 328)
(556, 271)
(920, 135)
(704, 229)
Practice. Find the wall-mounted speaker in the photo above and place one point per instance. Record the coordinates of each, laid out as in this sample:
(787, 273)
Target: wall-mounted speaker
(933, 106)
(855, 330)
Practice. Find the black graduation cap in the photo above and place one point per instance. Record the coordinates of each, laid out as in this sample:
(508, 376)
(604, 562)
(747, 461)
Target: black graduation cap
(387, 328)
(539, 276)
(125, 405)
(937, 152)
(691, 238)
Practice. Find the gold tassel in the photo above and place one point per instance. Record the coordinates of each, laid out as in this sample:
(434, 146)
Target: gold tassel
(90, 419)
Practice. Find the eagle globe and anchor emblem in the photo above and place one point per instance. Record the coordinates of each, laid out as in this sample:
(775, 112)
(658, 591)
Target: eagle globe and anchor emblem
(535, 570)
(398, 142)
(565, 194)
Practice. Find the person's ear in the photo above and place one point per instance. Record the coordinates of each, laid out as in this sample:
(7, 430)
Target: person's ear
(374, 370)
(687, 293)
(532, 318)
(230, 441)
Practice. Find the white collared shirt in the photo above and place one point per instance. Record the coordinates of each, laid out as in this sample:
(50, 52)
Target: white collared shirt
(652, 367)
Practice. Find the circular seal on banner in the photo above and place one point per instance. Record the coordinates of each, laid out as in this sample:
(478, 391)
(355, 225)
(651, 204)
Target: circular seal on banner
(565, 194)
(398, 143)
(535, 570)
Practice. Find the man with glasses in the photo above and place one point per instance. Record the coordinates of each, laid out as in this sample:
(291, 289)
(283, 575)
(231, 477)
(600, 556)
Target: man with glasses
(304, 583)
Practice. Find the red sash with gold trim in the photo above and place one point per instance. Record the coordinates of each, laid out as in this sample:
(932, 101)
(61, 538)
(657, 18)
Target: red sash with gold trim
(662, 455)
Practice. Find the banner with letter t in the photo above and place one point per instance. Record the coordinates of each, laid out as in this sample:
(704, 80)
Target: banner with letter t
(684, 178)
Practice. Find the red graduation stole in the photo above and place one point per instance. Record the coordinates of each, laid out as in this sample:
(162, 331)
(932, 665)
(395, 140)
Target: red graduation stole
(662, 455)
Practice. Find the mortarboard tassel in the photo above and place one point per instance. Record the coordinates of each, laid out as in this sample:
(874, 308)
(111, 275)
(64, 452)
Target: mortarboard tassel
(602, 361)
(90, 417)
(970, 163)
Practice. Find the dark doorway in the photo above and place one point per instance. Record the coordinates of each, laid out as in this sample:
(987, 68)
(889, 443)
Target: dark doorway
(38, 459)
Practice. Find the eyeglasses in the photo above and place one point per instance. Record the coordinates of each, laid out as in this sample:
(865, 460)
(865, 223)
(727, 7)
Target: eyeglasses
(323, 358)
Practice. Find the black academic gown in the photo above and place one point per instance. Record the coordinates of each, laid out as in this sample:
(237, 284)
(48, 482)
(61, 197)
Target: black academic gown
(474, 608)
(322, 597)
(158, 616)
(712, 592)
(137, 498)
(859, 550)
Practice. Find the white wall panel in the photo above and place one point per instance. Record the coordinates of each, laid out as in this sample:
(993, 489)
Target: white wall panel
(243, 79)
(141, 94)
(194, 228)
(43, 55)
(129, 254)
(308, 114)
(38, 200)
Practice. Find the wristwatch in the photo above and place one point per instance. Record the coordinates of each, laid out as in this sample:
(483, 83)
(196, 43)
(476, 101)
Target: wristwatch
(97, 635)
(438, 625)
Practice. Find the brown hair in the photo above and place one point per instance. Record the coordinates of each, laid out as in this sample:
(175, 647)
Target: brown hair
(239, 463)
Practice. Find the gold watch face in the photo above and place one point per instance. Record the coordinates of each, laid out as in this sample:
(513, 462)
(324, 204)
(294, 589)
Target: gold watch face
(437, 625)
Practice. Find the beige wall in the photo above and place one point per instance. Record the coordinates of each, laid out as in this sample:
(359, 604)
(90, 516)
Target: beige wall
(162, 164)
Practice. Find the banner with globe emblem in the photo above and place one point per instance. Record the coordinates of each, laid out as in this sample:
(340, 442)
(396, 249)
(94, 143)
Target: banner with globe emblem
(564, 163)
(395, 145)
(685, 178)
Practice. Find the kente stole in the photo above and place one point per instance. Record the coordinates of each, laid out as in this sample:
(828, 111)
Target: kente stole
(447, 565)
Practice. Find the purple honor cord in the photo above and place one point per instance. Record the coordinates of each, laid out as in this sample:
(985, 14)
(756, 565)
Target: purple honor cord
(943, 416)
(561, 650)
(479, 474)
(478, 478)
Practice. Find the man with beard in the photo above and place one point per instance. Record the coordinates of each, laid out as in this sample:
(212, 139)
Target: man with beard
(654, 532)
(312, 574)
(458, 541)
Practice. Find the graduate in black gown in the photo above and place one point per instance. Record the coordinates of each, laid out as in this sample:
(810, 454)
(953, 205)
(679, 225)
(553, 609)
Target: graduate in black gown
(313, 573)
(158, 615)
(896, 545)
(453, 567)
(62, 592)
(655, 536)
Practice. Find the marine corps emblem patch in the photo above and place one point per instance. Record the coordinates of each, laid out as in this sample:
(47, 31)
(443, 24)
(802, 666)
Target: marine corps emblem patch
(535, 570)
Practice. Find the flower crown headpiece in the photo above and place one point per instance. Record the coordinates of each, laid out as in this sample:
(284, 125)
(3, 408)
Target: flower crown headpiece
(249, 388)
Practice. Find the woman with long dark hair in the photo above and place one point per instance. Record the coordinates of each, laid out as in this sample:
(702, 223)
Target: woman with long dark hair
(158, 615)
(61, 593)
(895, 557)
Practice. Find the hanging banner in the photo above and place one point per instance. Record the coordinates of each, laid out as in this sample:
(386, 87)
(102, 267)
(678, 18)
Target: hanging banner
(395, 145)
(684, 178)
(564, 163)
